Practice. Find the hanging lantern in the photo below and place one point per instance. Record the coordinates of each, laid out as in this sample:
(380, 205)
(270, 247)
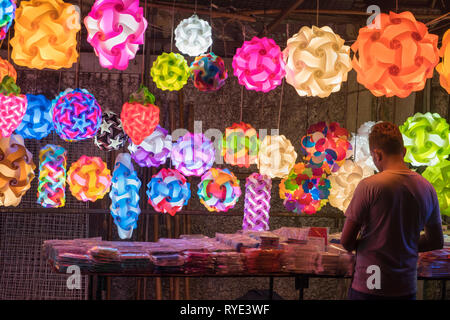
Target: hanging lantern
(208, 72)
(13, 106)
(16, 170)
(168, 191)
(426, 138)
(257, 202)
(193, 154)
(37, 122)
(7, 15)
(317, 61)
(193, 36)
(439, 177)
(259, 64)
(52, 176)
(125, 196)
(240, 145)
(45, 34)
(89, 179)
(397, 58)
(360, 146)
(219, 190)
(444, 67)
(276, 156)
(154, 150)
(170, 71)
(110, 136)
(7, 69)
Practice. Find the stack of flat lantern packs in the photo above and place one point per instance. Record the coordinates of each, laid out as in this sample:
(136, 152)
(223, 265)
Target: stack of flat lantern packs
(263, 261)
(169, 262)
(106, 259)
(237, 241)
(229, 262)
(266, 239)
(434, 263)
(201, 262)
(299, 258)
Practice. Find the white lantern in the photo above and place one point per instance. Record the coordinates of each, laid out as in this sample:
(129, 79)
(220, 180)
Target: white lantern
(276, 156)
(360, 146)
(193, 36)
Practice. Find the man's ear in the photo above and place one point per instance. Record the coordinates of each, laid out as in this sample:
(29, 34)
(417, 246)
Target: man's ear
(378, 155)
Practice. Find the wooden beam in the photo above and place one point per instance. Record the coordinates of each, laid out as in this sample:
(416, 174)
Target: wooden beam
(283, 14)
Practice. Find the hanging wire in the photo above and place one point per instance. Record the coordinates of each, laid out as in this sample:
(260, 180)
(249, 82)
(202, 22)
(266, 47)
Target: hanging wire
(143, 46)
(242, 104)
(210, 23)
(195, 7)
(282, 86)
(317, 13)
(77, 66)
(396, 6)
(173, 21)
(356, 121)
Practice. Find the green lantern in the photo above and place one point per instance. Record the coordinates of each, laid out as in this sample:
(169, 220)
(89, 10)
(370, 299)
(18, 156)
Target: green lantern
(170, 71)
(439, 177)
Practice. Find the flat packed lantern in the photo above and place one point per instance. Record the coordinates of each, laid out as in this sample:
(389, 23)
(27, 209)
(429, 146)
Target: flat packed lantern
(193, 36)
(444, 67)
(170, 71)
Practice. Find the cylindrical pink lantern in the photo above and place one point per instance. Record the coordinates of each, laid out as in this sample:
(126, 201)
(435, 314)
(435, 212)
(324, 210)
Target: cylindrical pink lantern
(257, 202)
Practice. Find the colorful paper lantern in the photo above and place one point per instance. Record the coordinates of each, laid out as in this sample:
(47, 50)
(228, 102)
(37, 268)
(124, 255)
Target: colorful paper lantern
(110, 136)
(444, 66)
(193, 36)
(219, 190)
(7, 15)
(276, 156)
(154, 150)
(170, 71)
(13, 106)
(89, 179)
(140, 116)
(208, 72)
(397, 58)
(16, 170)
(45, 34)
(125, 196)
(317, 61)
(7, 69)
(37, 122)
(115, 30)
(240, 145)
(52, 176)
(426, 138)
(168, 191)
(257, 202)
(439, 177)
(360, 146)
(193, 154)
(259, 64)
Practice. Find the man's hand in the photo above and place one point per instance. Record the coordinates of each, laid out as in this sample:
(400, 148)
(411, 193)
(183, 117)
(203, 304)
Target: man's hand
(350, 234)
(432, 239)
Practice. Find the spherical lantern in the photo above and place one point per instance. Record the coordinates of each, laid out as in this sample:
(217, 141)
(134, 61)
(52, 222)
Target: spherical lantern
(140, 116)
(7, 69)
(170, 71)
(426, 138)
(326, 146)
(7, 15)
(168, 191)
(193, 154)
(444, 67)
(258, 189)
(125, 196)
(37, 122)
(13, 106)
(240, 145)
(193, 36)
(45, 34)
(89, 179)
(16, 170)
(317, 61)
(208, 72)
(110, 136)
(259, 64)
(397, 58)
(276, 156)
(219, 190)
(439, 177)
(76, 115)
(360, 146)
(52, 176)
(115, 30)
(154, 150)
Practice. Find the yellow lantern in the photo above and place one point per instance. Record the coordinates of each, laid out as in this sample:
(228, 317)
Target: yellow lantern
(276, 156)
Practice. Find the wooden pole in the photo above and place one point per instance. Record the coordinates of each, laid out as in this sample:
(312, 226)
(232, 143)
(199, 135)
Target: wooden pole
(283, 14)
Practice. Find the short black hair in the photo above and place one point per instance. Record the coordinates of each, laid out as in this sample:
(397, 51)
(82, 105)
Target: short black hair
(387, 137)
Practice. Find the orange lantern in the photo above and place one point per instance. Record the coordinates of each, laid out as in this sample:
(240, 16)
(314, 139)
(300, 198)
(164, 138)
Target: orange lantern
(7, 69)
(444, 67)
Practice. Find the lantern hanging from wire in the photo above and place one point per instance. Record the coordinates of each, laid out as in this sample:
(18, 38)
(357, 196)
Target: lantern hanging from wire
(443, 68)
(37, 122)
(170, 71)
(240, 145)
(276, 156)
(439, 176)
(208, 72)
(193, 36)
(110, 136)
(7, 15)
(13, 106)
(7, 69)
(360, 146)
(258, 189)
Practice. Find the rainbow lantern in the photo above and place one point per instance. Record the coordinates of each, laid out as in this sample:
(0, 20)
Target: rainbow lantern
(276, 156)
(360, 146)
(240, 145)
(257, 202)
(45, 34)
(13, 106)
(439, 177)
(326, 146)
(154, 150)
(76, 115)
(219, 190)
(259, 64)
(16, 170)
(52, 176)
(208, 72)
(193, 36)
(170, 71)
(115, 30)
(444, 67)
(168, 191)
(193, 154)
(89, 179)
(397, 58)
(125, 196)
(37, 122)
(140, 116)
(7, 14)
(110, 135)
(426, 138)
(7, 69)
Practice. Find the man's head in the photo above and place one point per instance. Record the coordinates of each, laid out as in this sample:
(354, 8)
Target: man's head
(386, 145)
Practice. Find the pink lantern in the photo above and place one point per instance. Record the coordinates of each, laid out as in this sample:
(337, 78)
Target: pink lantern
(257, 202)
(13, 106)
(259, 64)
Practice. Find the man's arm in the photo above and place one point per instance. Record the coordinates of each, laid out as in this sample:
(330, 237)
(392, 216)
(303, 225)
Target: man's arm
(432, 239)
(350, 234)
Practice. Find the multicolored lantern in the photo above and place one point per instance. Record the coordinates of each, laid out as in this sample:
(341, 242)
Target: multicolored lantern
(7, 15)
(444, 67)
(360, 146)
(240, 145)
(259, 64)
(219, 190)
(439, 177)
(426, 138)
(125, 196)
(193, 36)
(397, 58)
(16, 170)
(193, 154)
(89, 179)
(45, 34)
(276, 156)
(258, 189)
(154, 150)
(208, 72)
(37, 122)
(170, 71)
(110, 136)
(52, 176)
(7, 69)
(13, 106)
(168, 191)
